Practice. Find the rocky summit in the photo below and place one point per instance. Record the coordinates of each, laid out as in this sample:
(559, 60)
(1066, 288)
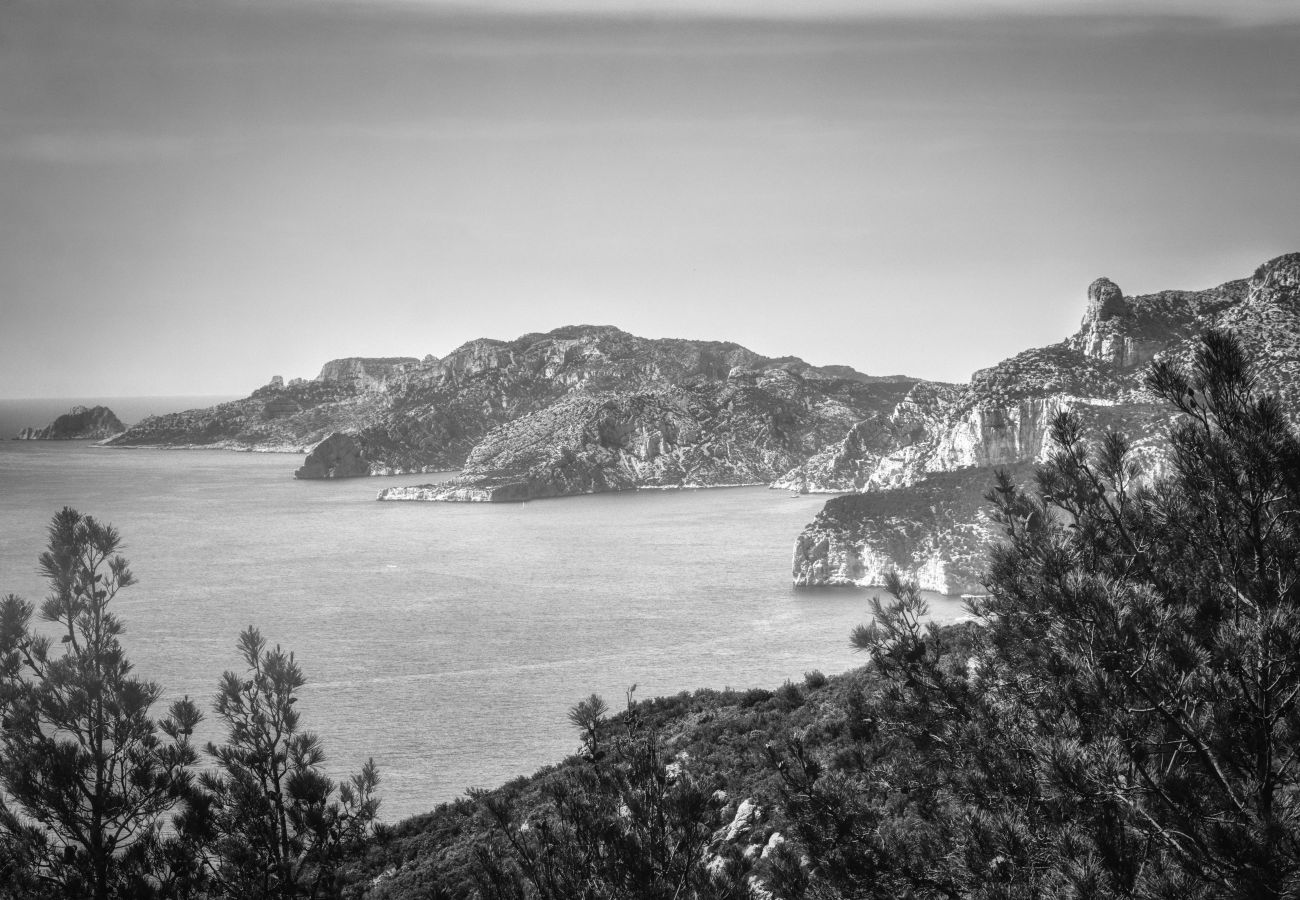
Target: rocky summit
(577, 410)
(79, 424)
(935, 452)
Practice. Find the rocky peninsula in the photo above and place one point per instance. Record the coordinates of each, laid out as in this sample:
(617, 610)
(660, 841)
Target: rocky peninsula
(579, 409)
(81, 423)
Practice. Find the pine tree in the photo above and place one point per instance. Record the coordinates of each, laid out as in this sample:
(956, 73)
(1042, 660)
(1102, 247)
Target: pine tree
(1152, 634)
(283, 828)
(87, 780)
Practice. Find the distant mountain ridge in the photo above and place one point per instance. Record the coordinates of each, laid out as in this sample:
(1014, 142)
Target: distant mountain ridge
(1001, 418)
(579, 409)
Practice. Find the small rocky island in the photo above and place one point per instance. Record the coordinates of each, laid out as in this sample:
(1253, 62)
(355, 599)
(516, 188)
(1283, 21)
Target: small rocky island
(95, 423)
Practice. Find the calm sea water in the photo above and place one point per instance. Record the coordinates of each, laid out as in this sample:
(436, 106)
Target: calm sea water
(446, 640)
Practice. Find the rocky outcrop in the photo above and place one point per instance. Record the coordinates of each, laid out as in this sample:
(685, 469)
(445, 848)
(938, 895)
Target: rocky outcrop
(488, 404)
(95, 423)
(1127, 332)
(364, 373)
(1003, 417)
(338, 456)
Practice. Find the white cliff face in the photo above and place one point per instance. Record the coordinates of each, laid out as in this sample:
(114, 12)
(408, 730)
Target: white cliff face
(1107, 342)
(999, 435)
(935, 532)
(948, 563)
(953, 434)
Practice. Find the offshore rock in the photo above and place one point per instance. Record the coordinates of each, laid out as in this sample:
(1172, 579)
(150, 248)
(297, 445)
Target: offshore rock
(79, 424)
(1003, 418)
(338, 456)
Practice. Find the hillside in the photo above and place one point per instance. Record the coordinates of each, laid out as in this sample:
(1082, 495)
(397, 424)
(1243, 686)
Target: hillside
(714, 741)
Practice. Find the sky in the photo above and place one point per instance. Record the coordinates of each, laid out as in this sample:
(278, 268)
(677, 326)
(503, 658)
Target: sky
(196, 195)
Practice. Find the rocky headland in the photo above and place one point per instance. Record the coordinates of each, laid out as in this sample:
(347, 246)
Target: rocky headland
(95, 423)
(919, 470)
(576, 410)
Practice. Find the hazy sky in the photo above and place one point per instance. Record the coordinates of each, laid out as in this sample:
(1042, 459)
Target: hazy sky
(195, 196)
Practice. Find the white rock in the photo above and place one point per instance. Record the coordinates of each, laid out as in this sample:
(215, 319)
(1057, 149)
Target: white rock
(746, 815)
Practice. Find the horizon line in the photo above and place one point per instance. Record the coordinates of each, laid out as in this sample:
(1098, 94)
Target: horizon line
(1244, 12)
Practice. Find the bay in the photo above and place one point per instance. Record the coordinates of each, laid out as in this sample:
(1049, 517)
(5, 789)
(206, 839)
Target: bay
(447, 641)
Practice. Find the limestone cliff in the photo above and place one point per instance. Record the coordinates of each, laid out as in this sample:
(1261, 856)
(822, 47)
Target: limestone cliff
(362, 373)
(489, 404)
(934, 532)
(79, 424)
(1002, 417)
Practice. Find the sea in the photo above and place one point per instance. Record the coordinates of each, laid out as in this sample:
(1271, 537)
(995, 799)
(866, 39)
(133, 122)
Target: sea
(446, 641)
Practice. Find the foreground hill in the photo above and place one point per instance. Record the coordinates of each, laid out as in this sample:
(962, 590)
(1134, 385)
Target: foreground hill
(576, 410)
(930, 528)
(715, 741)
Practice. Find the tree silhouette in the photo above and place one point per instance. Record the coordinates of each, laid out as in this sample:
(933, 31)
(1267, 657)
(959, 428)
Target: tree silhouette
(87, 779)
(282, 827)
